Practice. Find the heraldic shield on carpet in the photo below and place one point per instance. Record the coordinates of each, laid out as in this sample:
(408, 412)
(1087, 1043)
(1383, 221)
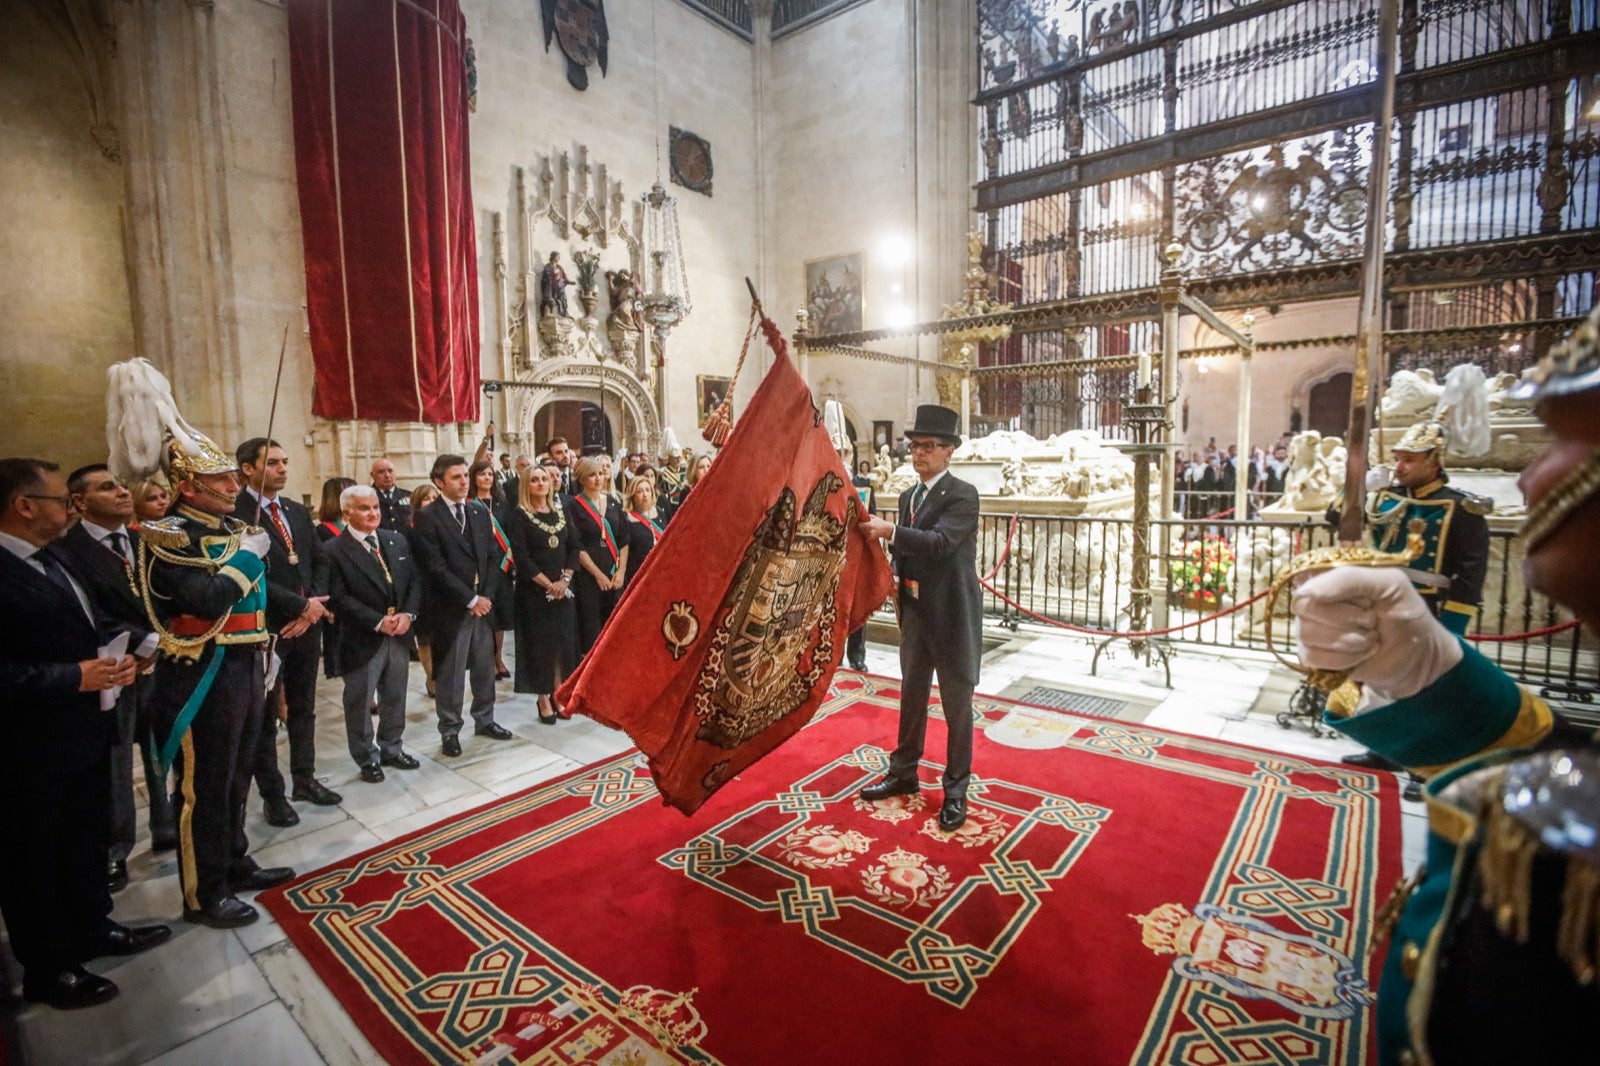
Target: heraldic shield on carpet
(1119, 892)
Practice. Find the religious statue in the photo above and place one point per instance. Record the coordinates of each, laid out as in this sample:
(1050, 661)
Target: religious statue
(553, 284)
(625, 313)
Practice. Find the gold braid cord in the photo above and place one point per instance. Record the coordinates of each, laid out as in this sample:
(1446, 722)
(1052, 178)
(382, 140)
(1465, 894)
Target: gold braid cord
(1327, 559)
(170, 643)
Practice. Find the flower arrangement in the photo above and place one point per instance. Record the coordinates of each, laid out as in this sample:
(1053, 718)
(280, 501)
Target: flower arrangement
(1202, 570)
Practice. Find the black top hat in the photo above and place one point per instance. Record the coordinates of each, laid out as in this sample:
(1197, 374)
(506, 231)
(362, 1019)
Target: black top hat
(936, 421)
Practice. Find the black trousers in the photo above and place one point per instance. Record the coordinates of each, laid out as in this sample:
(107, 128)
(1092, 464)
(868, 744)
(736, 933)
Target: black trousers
(135, 746)
(918, 664)
(53, 860)
(297, 680)
(212, 770)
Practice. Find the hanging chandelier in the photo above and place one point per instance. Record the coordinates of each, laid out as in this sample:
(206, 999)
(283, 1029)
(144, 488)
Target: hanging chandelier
(665, 300)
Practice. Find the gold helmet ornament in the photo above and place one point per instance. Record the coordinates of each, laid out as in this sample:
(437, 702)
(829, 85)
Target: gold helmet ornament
(1565, 388)
(145, 432)
(1424, 437)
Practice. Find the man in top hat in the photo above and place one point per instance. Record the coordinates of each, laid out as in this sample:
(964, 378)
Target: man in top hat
(934, 549)
(1455, 556)
(1493, 955)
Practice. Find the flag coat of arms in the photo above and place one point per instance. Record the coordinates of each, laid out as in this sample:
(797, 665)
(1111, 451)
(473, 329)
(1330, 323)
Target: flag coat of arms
(728, 638)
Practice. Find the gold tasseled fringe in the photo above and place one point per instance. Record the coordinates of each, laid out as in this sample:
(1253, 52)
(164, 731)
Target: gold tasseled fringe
(1505, 865)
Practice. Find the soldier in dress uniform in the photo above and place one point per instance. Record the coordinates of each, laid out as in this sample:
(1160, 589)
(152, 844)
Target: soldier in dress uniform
(1455, 556)
(202, 574)
(1494, 954)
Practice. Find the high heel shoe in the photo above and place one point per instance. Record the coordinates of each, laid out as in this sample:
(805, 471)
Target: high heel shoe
(544, 707)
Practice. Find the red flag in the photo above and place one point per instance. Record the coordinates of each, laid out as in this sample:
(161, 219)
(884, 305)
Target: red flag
(727, 640)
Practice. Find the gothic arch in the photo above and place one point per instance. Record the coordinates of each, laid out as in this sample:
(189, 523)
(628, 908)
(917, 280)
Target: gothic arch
(580, 380)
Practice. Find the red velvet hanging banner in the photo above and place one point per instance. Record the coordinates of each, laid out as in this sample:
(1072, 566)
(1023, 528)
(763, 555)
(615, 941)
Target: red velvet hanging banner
(727, 640)
(381, 155)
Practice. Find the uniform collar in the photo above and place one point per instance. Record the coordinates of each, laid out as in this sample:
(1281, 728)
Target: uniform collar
(1429, 489)
(194, 514)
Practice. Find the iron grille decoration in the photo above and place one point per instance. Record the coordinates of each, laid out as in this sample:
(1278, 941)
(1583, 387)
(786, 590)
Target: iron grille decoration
(1109, 129)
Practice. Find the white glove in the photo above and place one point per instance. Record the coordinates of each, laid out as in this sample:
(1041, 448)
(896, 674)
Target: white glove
(1371, 622)
(1379, 477)
(257, 543)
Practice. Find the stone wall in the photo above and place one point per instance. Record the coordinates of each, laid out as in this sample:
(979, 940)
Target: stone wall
(64, 289)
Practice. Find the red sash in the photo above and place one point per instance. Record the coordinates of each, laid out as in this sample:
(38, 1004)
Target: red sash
(605, 528)
(655, 530)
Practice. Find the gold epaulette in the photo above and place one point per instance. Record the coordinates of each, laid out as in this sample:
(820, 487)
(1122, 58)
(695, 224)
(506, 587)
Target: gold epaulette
(169, 533)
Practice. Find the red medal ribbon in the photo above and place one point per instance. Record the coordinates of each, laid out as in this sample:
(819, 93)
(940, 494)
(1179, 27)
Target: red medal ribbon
(283, 528)
(506, 562)
(605, 528)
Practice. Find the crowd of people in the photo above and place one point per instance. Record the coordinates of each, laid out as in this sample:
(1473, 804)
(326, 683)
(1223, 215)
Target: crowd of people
(161, 585)
(1208, 477)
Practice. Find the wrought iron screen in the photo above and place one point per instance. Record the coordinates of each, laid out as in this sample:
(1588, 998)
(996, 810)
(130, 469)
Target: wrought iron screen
(1243, 132)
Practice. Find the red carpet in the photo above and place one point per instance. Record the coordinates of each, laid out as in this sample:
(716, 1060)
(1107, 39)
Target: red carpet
(788, 922)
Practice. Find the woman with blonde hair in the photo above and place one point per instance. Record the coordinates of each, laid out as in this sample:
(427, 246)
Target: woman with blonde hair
(545, 544)
(598, 519)
(150, 500)
(645, 523)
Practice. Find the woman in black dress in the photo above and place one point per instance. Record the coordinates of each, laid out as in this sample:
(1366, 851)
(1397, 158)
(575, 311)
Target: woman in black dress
(422, 496)
(485, 488)
(546, 549)
(645, 524)
(330, 516)
(599, 522)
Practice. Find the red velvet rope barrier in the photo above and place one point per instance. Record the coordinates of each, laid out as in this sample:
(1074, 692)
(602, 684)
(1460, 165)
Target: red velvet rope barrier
(1005, 553)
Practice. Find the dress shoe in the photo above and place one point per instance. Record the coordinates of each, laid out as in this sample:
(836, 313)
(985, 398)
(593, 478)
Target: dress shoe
(1369, 760)
(372, 773)
(891, 786)
(69, 989)
(953, 815)
(450, 746)
(116, 875)
(127, 940)
(259, 878)
(310, 790)
(230, 912)
(399, 762)
(860, 666)
(279, 813)
(496, 731)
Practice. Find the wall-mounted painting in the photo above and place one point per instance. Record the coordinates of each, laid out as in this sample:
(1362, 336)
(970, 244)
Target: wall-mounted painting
(833, 294)
(711, 391)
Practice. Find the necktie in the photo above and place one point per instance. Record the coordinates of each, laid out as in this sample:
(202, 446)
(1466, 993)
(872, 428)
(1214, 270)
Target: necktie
(119, 544)
(918, 494)
(372, 546)
(283, 529)
(461, 516)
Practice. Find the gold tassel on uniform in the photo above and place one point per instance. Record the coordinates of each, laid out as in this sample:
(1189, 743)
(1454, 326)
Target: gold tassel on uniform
(1578, 935)
(1505, 863)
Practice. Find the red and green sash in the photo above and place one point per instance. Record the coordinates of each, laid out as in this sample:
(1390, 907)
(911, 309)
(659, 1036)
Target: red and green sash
(605, 529)
(655, 530)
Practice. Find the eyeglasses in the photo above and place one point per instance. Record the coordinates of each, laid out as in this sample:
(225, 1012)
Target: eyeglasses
(65, 501)
(926, 445)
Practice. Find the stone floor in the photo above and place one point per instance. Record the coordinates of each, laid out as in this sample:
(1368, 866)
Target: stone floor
(245, 996)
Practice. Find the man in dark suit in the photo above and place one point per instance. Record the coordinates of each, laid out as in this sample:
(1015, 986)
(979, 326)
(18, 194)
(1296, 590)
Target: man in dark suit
(934, 547)
(296, 594)
(104, 551)
(394, 500)
(54, 758)
(559, 450)
(375, 593)
(456, 552)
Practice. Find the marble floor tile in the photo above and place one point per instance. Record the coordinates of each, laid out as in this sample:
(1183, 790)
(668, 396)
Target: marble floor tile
(409, 823)
(403, 792)
(267, 1035)
(499, 766)
(510, 786)
(200, 979)
(314, 1010)
(311, 850)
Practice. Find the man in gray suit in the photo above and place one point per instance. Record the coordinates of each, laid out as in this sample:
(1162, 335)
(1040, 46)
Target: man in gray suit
(934, 547)
(374, 592)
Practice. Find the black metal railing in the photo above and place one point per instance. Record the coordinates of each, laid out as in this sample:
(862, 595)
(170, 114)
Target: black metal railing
(1079, 571)
(731, 15)
(791, 15)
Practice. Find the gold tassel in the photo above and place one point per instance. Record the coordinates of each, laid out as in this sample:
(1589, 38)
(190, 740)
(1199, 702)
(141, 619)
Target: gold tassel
(1578, 936)
(1505, 863)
